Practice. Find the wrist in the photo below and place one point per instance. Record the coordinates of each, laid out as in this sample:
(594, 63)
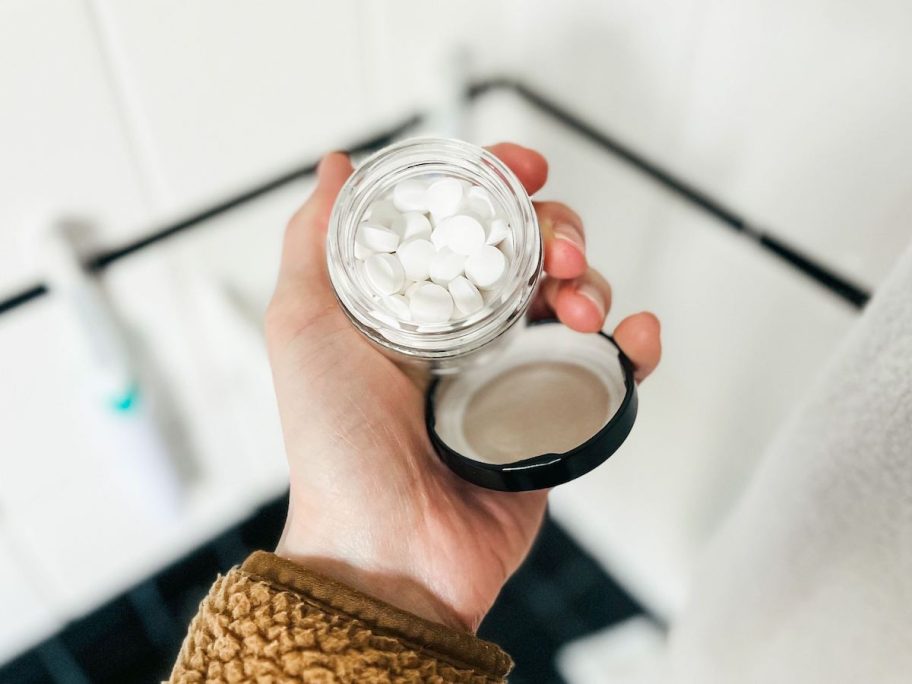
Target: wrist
(398, 591)
(389, 583)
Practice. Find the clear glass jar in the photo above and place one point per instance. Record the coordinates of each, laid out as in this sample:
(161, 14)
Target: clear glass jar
(449, 346)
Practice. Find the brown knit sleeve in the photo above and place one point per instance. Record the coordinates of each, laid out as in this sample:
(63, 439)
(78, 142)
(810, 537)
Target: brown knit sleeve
(271, 621)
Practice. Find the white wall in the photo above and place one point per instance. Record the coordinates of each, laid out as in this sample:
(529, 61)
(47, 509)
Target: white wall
(137, 112)
(62, 140)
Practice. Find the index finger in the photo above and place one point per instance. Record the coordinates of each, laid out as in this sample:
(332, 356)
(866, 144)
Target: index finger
(529, 166)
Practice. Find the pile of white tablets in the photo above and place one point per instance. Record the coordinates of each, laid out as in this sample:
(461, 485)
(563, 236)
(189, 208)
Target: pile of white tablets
(433, 249)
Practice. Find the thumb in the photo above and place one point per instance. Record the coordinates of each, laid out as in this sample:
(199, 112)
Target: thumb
(303, 246)
(303, 288)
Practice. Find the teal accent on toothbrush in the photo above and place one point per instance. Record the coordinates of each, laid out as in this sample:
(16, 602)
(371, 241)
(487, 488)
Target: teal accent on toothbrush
(126, 401)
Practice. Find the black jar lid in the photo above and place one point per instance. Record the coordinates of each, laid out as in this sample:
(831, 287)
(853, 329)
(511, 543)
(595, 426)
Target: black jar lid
(494, 426)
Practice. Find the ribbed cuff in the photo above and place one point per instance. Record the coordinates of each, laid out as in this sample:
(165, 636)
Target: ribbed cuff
(461, 649)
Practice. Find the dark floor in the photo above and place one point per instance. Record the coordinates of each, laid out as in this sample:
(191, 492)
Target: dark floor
(559, 594)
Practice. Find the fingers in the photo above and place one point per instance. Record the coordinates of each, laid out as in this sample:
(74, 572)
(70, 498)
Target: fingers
(639, 336)
(563, 240)
(529, 166)
(581, 304)
(561, 227)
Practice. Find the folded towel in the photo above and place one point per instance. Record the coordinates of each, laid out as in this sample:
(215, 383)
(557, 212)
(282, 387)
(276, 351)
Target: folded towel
(810, 580)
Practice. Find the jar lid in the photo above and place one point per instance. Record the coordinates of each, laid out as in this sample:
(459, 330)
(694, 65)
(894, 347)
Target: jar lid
(556, 404)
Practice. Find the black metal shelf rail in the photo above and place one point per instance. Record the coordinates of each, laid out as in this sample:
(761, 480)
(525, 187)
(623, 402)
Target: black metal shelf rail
(817, 271)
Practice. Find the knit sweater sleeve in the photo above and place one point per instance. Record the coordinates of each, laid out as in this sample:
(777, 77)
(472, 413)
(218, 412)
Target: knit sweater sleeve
(271, 621)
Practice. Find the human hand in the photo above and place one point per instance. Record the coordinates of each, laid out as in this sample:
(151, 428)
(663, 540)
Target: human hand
(371, 504)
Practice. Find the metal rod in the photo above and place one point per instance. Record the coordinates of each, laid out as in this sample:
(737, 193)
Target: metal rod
(107, 257)
(823, 275)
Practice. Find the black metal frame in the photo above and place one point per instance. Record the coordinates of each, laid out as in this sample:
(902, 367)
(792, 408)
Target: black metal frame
(820, 273)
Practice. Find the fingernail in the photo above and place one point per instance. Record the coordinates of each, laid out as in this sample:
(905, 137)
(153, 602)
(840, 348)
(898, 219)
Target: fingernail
(593, 294)
(655, 319)
(572, 234)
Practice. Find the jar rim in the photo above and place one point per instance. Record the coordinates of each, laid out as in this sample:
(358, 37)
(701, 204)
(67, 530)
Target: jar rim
(445, 157)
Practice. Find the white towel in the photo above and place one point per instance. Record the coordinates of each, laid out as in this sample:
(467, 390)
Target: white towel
(810, 580)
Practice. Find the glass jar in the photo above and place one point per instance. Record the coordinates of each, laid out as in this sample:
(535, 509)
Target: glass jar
(589, 372)
(446, 347)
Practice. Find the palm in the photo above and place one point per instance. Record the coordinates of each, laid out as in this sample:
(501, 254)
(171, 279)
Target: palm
(370, 502)
(376, 456)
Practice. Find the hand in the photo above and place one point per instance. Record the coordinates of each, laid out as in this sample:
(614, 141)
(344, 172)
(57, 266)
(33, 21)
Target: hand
(371, 504)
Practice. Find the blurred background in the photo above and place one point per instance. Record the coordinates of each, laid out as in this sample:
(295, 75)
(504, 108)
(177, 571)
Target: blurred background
(180, 136)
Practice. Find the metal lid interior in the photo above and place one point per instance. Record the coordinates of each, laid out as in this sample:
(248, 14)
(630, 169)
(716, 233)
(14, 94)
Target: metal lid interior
(549, 342)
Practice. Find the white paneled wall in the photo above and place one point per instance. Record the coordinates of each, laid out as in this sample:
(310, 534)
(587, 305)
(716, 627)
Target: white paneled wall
(220, 95)
(136, 112)
(62, 142)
